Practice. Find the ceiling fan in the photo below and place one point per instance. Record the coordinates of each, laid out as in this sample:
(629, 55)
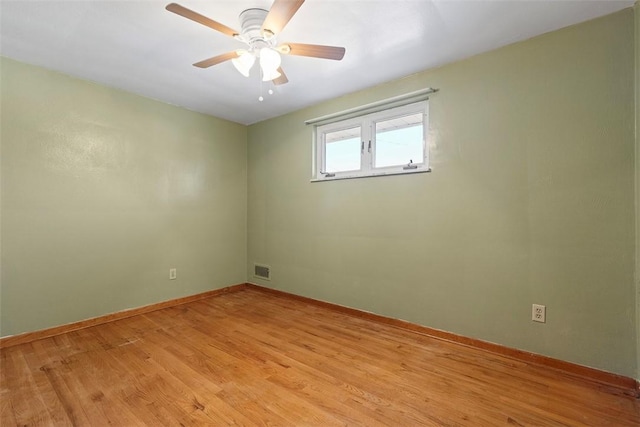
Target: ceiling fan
(259, 30)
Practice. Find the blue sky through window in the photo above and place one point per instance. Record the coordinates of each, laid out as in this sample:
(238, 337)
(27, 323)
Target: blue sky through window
(399, 146)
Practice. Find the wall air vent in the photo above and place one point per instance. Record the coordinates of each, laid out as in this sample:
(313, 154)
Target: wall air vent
(262, 271)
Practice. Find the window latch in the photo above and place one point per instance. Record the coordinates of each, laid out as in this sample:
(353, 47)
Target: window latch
(410, 166)
(328, 174)
(362, 147)
(369, 149)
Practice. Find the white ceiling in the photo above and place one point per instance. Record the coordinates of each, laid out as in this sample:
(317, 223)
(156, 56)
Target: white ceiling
(140, 47)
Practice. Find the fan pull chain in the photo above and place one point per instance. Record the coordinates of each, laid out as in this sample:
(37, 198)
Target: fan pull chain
(270, 91)
(260, 98)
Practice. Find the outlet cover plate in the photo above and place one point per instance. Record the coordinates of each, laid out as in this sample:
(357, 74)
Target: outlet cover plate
(539, 313)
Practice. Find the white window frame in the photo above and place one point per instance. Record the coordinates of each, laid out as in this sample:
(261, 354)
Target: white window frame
(367, 123)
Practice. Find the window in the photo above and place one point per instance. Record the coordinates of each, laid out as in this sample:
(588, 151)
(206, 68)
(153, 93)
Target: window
(386, 142)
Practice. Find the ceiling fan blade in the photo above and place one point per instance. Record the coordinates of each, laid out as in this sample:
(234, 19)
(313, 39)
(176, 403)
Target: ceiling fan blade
(195, 16)
(279, 15)
(216, 59)
(314, 50)
(282, 79)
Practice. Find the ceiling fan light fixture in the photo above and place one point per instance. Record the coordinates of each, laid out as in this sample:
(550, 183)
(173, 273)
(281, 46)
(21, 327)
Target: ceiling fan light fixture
(271, 75)
(269, 63)
(244, 62)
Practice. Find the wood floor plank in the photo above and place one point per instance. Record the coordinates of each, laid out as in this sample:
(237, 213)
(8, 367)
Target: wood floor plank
(253, 358)
(56, 389)
(46, 392)
(63, 375)
(25, 409)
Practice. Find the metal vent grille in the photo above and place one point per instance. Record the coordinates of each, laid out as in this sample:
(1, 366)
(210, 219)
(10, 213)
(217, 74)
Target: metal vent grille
(262, 271)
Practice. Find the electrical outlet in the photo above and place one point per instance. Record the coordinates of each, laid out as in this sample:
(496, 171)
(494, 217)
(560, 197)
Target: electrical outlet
(539, 313)
(173, 274)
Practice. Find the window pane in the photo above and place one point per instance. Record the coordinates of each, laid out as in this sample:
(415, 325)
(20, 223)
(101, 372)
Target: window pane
(342, 150)
(399, 141)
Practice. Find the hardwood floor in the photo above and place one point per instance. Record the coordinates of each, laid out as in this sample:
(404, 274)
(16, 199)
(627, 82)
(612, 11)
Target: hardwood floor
(253, 358)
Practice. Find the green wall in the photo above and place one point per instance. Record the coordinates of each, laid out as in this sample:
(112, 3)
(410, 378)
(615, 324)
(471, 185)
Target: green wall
(637, 72)
(103, 192)
(531, 200)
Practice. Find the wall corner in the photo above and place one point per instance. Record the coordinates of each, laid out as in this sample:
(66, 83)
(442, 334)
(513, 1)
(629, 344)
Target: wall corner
(636, 10)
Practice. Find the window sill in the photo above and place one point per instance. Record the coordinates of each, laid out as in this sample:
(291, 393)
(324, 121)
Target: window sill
(373, 175)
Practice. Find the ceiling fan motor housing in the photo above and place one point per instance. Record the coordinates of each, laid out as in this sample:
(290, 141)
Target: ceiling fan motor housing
(251, 30)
